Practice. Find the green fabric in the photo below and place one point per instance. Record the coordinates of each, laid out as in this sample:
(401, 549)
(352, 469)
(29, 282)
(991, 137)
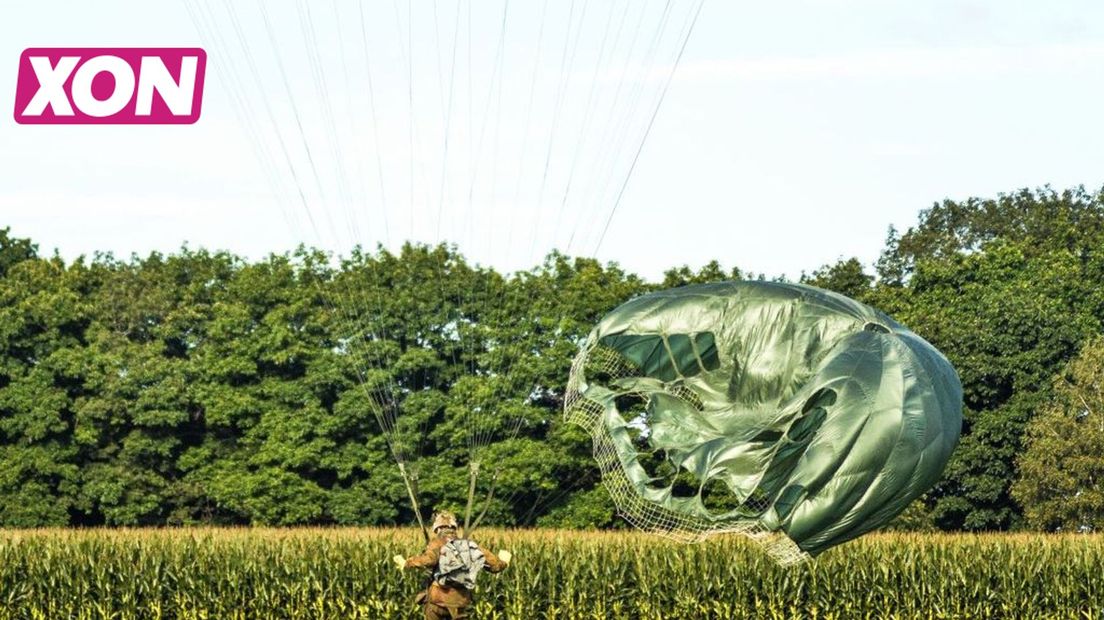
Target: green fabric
(815, 415)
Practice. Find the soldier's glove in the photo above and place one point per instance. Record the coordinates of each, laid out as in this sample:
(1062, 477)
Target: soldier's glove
(505, 556)
(400, 562)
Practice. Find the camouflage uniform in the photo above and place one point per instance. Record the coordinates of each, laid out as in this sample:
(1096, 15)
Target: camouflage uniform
(447, 602)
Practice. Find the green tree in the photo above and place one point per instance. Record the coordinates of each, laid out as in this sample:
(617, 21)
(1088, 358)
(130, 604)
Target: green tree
(846, 276)
(42, 320)
(709, 272)
(14, 250)
(1061, 481)
(1009, 301)
(1045, 218)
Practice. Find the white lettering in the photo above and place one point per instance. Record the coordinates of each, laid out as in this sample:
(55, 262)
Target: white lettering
(51, 86)
(155, 76)
(83, 98)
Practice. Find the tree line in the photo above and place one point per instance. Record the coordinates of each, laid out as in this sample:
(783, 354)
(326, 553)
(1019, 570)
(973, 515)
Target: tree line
(199, 387)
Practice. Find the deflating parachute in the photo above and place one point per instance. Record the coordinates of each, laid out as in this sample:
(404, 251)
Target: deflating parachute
(794, 415)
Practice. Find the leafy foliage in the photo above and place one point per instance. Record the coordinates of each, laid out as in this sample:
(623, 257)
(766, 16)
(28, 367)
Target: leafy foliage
(1009, 299)
(1061, 483)
(197, 387)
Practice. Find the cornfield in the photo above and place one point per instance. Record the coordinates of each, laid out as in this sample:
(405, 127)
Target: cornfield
(225, 574)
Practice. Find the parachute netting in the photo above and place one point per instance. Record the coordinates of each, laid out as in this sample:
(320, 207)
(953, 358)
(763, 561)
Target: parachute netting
(596, 360)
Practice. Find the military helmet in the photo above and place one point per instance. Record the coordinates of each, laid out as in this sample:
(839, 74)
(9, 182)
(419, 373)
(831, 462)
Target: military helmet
(444, 519)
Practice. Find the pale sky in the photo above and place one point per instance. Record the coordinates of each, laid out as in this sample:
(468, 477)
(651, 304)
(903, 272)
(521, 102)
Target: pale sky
(793, 133)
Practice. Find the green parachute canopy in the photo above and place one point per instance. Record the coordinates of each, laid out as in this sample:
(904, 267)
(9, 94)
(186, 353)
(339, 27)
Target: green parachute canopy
(794, 415)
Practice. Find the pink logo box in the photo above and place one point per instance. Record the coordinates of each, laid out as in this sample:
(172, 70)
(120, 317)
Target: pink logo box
(105, 85)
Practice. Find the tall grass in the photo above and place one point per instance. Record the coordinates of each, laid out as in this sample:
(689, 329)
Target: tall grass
(345, 573)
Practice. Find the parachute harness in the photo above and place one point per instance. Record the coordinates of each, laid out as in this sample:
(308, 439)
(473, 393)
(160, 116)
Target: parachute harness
(460, 564)
(411, 481)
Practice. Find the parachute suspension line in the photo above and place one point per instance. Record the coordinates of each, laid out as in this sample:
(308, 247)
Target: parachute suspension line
(496, 413)
(514, 204)
(512, 209)
(606, 51)
(236, 82)
(618, 132)
(212, 38)
(437, 56)
(473, 474)
(411, 482)
(456, 319)
(385, 412)
(318, 72)
(390, 431)
(410, 104)
(544, 499)
(318, 77)
(352, 317)
(243, 110)
(610, 136)
(472, 172)
(407, 54)
(413, 141)
(616, 125)
(486, 433)
(375, 125)
(587, 108)
(500, 69)
(448, 117)
(567, 63)
(478, 428)
(648, 129)
(492, 200)
(512, 428)
(361, 197)
(496, 80)
(362, 193)
(565, 70)
(471, 101)
(448, 104)
(296, 115)
(619, 129)
(268, 163)
(352, 311)
(486, 503)
(557, 110)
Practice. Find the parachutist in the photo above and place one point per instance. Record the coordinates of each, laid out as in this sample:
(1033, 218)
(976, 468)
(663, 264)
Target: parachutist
(455, 564)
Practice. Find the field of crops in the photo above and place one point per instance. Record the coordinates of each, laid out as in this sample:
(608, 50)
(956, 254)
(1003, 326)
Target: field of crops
(293, 574)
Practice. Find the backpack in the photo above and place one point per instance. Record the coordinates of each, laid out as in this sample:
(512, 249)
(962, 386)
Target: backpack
(459, 564)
